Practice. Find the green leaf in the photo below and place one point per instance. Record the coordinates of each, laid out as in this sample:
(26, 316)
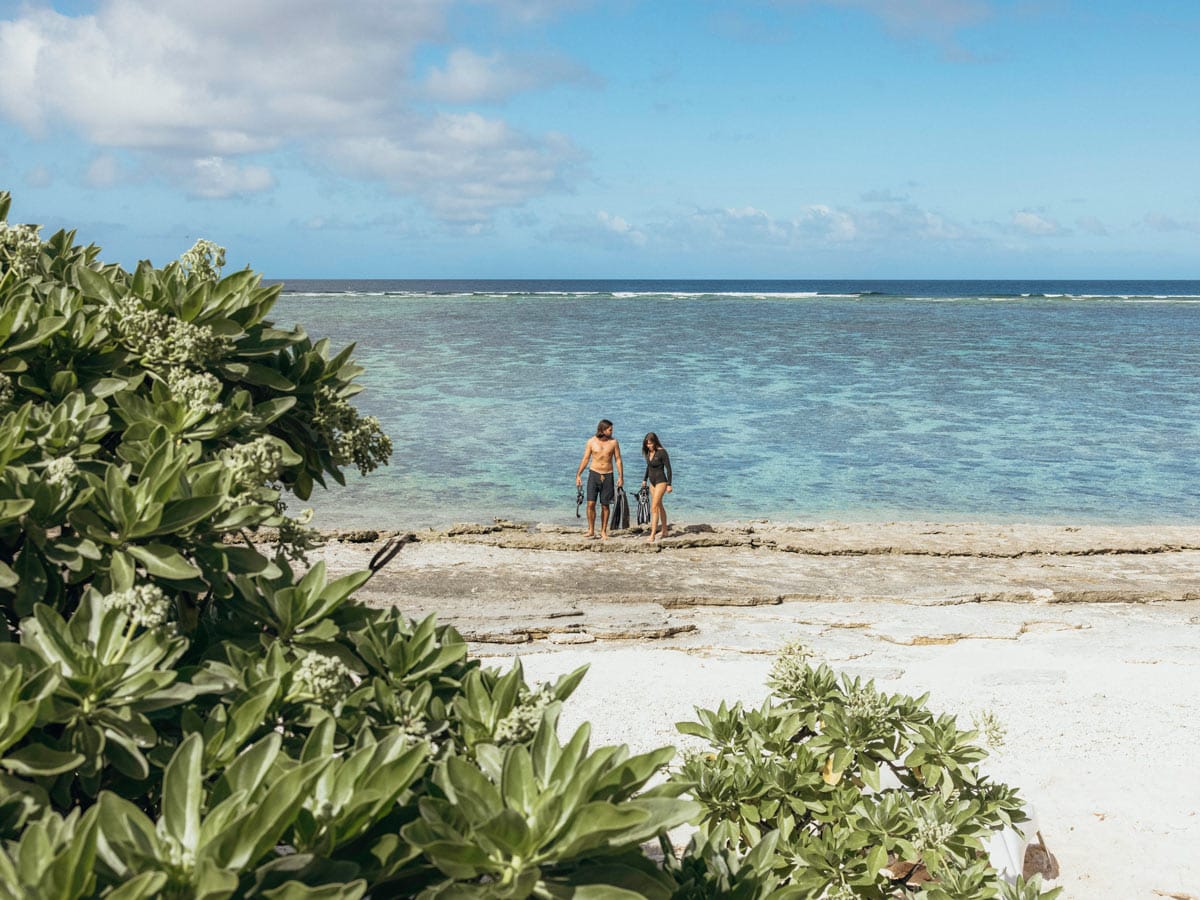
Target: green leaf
(46, 326)
(11, 510)
(295, 890)
(455, 858)
(94, 284)
(183, 790)
(38, 760)
(267, 377)
(260, 828)
(267, 411)
(248, 772)
(518, 782)
(106, 387)
(180, 514)
(246, 716)
(125, 755)
(163, 561)
(146, 886)
(32, 580)
(121, 571)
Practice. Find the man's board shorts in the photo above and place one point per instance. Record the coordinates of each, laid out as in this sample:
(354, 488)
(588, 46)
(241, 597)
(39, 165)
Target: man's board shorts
(602, 485)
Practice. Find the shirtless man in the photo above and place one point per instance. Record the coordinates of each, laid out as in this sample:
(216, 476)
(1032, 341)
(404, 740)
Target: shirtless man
(603, 450)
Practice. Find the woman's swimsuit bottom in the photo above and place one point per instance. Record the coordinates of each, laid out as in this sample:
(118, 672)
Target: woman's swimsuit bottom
(601, 484)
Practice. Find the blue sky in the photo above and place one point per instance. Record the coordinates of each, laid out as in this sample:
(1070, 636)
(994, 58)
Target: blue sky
(566, 138)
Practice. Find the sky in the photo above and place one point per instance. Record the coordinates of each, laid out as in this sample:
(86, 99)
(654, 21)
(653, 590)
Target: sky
(614, 138)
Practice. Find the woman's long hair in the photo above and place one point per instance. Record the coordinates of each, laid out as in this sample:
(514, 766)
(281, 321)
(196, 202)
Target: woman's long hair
(650, 443)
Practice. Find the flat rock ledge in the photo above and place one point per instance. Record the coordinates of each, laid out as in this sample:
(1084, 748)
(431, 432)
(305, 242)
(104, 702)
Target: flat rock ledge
(822, 539)
(510, 582)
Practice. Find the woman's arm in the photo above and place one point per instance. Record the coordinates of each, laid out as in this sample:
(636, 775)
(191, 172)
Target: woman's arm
(667, 465)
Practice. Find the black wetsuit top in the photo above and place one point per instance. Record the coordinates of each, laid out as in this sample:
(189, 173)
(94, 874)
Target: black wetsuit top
(658, 467)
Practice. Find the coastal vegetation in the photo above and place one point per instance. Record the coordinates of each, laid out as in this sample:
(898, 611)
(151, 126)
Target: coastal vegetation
(189, 711)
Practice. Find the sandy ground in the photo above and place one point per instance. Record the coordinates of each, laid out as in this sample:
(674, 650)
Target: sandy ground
(1084, 642)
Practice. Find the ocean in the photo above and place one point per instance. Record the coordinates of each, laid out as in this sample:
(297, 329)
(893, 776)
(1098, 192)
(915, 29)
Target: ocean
(994, 401)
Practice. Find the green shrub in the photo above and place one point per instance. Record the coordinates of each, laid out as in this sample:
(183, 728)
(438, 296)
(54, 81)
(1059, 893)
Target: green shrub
(832, 789)
(186, 714)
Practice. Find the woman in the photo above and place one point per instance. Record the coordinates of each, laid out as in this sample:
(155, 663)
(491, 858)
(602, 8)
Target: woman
(658, 474)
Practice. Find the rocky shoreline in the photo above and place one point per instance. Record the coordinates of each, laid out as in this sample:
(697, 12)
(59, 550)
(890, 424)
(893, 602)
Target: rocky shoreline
(506, 582)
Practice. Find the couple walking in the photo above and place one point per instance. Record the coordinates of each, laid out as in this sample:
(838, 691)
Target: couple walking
(600, 456)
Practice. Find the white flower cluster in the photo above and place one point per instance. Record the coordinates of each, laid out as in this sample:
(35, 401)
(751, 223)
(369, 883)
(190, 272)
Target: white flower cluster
(931, 835)
(867, 704)
(255, 463)
(145, 604)
(61, 472)
(991, 729)
(205, 260)
(162, 339)
(6, 390)
(412, 726)
(20, 247)
(791, 665)
(353, 438)
(365, 445)
(324, 678)
(198, 391)
(521, 724)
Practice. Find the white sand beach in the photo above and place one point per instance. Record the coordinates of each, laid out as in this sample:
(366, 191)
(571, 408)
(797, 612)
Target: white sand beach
(1083, 641)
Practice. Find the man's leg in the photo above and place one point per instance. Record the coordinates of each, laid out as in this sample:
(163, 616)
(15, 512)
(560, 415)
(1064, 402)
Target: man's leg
(591, 516)
(604, 521)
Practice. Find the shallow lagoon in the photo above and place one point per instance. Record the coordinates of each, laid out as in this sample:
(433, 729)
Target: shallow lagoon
(776, 402)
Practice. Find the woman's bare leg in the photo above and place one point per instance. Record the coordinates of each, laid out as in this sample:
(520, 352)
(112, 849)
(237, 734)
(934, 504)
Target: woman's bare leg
(658, 513)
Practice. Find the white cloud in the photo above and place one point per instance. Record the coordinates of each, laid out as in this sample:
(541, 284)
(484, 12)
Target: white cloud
(469, 77)
(464, 167)
(1035, 223)
(752, 229)
(178, 76)
(907, 220)
(749, 225)
(618, 226)
(193, 91)
(1161, 222)
(215, 177)
(722, 226)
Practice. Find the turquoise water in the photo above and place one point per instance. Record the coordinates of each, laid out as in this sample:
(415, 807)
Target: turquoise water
(984, 406)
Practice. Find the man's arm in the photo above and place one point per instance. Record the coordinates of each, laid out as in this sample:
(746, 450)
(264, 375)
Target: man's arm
(620, 467)
(587, 452)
